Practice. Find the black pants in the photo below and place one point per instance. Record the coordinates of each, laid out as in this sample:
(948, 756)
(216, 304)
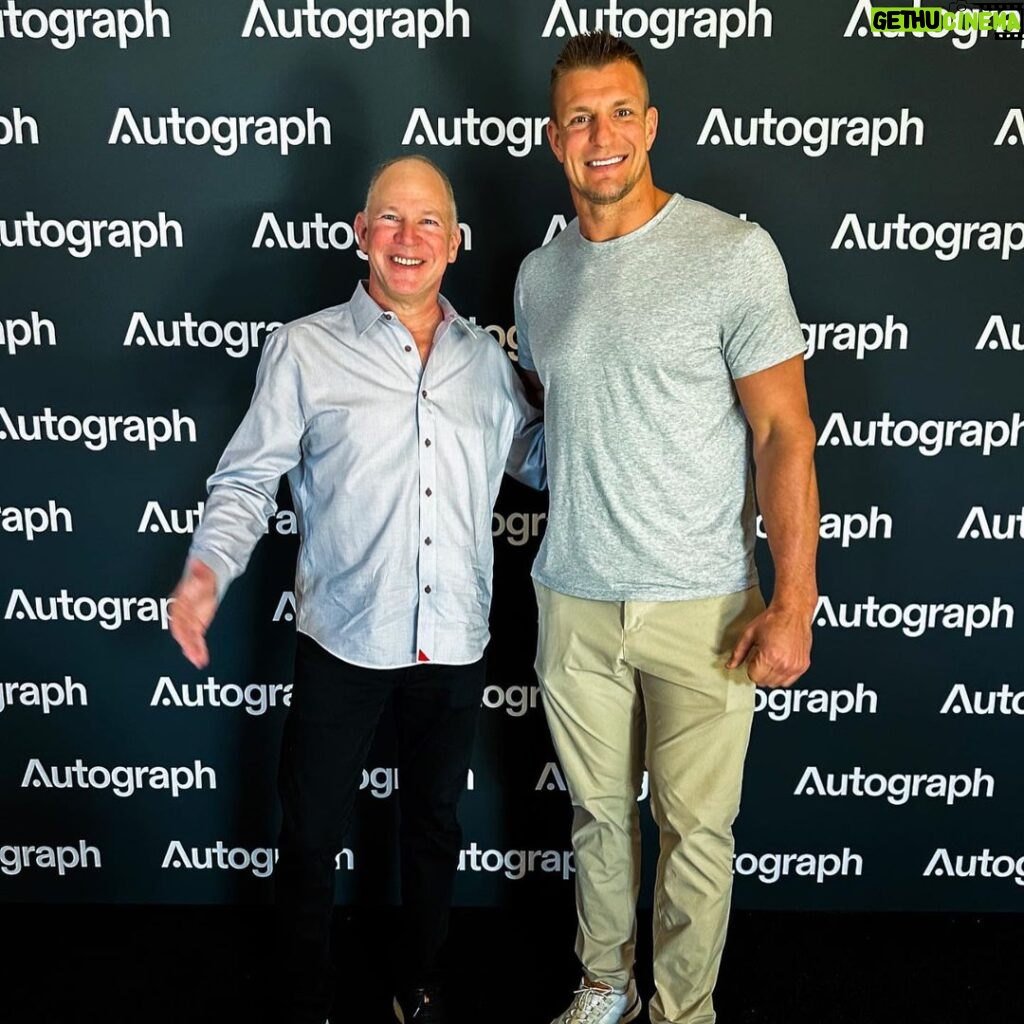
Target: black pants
(331, 722)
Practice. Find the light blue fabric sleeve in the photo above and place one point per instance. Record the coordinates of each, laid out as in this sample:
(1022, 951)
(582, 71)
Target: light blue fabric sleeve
(526, 461)
(243, 488)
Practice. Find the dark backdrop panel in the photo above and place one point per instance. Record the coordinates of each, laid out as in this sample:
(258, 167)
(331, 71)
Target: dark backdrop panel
(889, 778)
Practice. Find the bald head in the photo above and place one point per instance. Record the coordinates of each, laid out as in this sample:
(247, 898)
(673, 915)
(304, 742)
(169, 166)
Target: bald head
(409, 233)
(420, 166)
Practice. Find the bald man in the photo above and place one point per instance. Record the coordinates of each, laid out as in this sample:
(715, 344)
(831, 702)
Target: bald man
(394, 419)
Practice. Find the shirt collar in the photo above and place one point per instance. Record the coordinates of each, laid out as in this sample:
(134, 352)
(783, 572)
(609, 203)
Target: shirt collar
(366, 312)
(452, 317)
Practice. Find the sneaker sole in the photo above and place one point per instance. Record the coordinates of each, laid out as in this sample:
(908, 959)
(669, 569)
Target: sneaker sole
(633, 1012)
(396, 1007)
(629, 1014)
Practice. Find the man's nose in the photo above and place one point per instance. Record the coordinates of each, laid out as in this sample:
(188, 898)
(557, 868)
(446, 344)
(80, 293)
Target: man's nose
(405, 232)
(600, 130)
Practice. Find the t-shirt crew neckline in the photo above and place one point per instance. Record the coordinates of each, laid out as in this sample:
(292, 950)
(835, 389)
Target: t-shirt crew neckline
(611, 244)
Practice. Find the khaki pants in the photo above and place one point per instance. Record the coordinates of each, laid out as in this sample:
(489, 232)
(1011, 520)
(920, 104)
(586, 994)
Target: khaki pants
(631, 683)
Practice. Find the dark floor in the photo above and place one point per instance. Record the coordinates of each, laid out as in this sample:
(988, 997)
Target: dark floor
(186, 964)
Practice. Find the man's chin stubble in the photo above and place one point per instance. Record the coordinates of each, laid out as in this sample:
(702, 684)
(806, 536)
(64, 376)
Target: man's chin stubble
(604, 199)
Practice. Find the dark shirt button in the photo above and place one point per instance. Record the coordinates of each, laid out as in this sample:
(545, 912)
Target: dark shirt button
(427, 442)
(387, 316)
(408, 348)
(428, 492)
(426, 589)
(423, 393)
(428, 541)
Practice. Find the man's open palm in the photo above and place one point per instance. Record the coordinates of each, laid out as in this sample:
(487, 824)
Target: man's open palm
(194, 603)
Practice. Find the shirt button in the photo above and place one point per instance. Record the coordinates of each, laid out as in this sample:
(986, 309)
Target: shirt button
(428, 541)
(387, 316)
(427, 442)
(426, 589)
(428, 492)
(423, 393)
(408, 348)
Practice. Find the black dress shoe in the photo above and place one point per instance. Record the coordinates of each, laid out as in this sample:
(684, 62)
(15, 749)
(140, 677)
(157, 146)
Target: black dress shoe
(419, 1006)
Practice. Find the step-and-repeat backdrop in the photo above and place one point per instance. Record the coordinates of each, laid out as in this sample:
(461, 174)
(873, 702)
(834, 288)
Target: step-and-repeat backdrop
(180, 178)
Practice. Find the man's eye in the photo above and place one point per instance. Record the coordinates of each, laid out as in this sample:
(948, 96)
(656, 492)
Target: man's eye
(429, 220)
(578, 119)
(624, 112)
(388, 216)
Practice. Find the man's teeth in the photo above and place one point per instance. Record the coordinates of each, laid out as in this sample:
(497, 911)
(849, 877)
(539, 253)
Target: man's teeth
(405, 262)
(605, 163)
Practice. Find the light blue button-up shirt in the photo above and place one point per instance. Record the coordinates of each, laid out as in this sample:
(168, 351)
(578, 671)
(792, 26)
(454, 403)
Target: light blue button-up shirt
(394, 468)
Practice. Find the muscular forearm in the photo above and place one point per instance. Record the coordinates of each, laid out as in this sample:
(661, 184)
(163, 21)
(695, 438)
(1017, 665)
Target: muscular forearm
(787, 492)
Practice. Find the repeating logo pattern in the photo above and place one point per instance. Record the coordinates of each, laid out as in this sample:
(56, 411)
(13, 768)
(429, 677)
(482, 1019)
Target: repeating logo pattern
(152, 239)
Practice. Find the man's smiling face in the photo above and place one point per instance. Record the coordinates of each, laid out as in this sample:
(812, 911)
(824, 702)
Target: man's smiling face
(602, 130)
(408, 233)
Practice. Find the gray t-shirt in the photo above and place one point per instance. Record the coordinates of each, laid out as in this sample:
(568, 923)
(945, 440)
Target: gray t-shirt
(637, 341)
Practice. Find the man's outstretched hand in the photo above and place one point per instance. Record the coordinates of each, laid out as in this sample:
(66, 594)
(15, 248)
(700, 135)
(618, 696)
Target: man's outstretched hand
(776, 646)
(194, 603)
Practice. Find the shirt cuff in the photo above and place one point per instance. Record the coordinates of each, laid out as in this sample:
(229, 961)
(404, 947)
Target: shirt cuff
(220, 568)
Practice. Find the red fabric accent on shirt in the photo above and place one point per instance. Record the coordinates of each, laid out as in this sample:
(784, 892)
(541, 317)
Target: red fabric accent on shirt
(422, 657)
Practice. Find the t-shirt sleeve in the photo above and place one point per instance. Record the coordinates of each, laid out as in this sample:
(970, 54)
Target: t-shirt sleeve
(760, 327)
(522, 332)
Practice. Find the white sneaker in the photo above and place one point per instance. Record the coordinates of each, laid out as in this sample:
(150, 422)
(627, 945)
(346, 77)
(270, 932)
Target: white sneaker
(599, 1003)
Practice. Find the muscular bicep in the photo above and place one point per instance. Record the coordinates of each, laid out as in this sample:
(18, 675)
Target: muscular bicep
(775, 400)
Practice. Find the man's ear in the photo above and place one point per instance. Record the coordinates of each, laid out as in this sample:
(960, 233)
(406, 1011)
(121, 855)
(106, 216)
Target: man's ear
(454, 241)
(554, 141)
(360, 225)
(651, 126)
